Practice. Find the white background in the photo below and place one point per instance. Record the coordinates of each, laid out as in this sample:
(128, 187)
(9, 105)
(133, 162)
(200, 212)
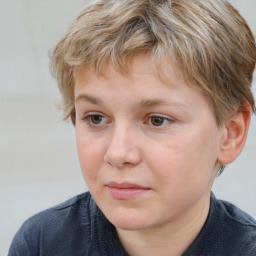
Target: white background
(38, 161)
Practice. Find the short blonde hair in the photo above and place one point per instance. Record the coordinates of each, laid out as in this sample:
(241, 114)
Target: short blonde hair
(208, 39)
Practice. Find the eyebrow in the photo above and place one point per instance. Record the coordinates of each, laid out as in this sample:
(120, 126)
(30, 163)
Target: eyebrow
(145, 103)
(158, 102)
(89, 98)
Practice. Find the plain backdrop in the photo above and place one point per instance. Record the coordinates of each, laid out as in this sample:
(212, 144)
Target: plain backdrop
(38, 160)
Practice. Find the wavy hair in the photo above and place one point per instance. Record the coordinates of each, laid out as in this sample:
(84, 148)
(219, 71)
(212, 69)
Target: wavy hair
(209, 41)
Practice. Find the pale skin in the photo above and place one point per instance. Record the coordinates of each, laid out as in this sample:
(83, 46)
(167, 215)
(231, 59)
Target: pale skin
(160, 135)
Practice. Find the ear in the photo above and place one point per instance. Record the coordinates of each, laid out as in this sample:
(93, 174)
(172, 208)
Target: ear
(234, 137)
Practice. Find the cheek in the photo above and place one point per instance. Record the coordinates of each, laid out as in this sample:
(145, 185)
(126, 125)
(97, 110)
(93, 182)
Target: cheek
(91, 156)
(184, 161)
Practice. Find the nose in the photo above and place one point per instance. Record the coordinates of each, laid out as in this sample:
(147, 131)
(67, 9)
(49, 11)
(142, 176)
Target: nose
(122, 150)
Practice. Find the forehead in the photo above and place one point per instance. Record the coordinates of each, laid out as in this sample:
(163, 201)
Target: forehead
(142, 64)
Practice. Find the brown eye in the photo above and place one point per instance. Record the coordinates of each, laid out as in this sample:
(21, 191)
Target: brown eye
(96, 119)
(157, 120)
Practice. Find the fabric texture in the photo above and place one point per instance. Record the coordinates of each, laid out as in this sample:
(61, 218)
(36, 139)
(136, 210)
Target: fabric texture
(78, 228)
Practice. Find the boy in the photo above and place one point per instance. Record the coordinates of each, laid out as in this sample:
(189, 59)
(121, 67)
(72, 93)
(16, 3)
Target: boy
(159, 94)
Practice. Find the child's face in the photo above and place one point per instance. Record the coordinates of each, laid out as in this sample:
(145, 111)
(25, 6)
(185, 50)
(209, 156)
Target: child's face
(147, 149)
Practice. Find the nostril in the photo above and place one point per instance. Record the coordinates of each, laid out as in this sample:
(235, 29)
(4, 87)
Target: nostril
(117, 164)
(109, 163)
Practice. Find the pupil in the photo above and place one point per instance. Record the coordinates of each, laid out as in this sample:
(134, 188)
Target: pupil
(157, 121)
(96, 119)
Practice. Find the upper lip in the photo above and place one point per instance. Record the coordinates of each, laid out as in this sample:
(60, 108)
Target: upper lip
(124, 185)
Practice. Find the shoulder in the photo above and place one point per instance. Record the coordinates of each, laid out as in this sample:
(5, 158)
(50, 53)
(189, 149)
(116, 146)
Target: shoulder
(227, 231)
(238, 226)
(235, 214)
(65, 222)
(65, 212)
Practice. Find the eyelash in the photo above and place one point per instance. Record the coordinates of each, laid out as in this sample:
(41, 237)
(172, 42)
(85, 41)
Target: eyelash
(88, 119)
(163, 118)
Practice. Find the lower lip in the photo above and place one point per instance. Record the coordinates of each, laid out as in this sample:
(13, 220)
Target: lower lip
(126, 193)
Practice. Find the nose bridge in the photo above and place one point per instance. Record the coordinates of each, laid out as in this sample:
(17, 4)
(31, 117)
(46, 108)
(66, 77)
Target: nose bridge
(121, 133)
(122, 146)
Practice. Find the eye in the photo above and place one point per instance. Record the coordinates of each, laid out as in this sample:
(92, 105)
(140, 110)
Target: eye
(158, 120)
(94, 119)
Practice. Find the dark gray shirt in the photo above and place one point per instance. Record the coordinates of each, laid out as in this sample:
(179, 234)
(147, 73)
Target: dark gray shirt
(78, 228)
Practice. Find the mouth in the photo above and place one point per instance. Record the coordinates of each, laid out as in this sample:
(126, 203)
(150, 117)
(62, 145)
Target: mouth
(125, 191)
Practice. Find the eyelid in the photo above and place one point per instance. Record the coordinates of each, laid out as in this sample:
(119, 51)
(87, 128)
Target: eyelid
(91, 114)
(160, 115)
(87, 116)
(164, 117)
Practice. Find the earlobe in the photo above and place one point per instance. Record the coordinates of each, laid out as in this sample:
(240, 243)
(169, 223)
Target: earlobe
(234, 136)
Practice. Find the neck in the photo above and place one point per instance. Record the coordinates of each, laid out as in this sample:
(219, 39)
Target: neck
(171, 239)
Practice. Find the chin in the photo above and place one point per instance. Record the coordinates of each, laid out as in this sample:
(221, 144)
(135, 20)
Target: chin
(129, 226)
(127, 221)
